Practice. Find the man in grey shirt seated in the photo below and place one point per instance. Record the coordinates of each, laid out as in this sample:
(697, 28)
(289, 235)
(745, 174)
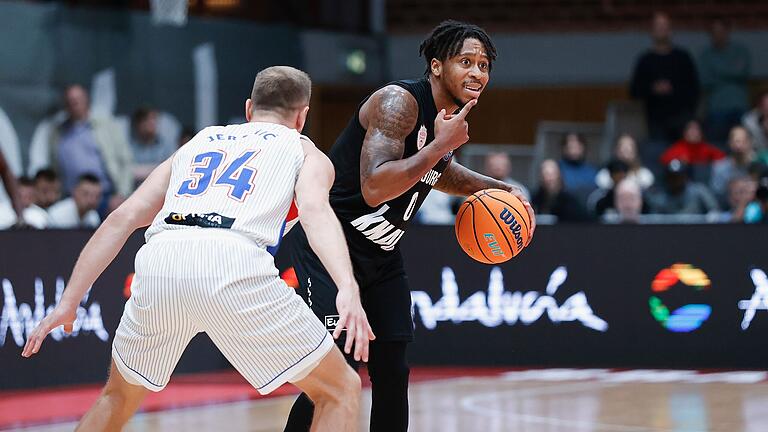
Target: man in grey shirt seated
(149, 147)
(679, 195)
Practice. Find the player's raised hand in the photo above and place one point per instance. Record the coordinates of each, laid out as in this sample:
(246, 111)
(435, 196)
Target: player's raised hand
(61, 315)
(353, 319)
(453, 130)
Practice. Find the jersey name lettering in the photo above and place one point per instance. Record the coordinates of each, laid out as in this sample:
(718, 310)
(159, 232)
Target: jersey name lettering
(382, 232)
(431, 177)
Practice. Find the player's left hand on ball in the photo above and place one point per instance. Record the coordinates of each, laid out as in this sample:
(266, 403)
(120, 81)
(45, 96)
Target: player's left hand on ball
(352, 318)
(521, 196)
(60, 316)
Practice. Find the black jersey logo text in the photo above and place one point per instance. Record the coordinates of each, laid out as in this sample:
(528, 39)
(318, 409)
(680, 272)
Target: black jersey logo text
(378, 230)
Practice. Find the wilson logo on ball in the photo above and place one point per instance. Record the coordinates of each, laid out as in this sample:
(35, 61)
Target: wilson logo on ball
(508, 218)
(492, 226)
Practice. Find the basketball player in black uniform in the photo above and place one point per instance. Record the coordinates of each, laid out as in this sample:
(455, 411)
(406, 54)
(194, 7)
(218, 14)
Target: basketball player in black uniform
(396, 148)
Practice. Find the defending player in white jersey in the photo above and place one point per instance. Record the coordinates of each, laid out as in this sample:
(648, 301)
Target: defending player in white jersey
(217, 209)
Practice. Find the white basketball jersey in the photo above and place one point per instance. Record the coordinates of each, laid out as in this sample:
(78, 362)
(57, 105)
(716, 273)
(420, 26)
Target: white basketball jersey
(240, 177)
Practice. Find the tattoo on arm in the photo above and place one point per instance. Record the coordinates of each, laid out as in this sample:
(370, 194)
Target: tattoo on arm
(458, 180)
(391, 115)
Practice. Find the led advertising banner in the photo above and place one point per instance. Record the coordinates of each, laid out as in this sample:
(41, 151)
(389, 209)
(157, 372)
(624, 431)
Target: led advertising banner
(634, 296)
(34, 268)
(579, 296)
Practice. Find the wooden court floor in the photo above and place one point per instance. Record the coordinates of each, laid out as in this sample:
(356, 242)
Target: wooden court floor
(549, 400)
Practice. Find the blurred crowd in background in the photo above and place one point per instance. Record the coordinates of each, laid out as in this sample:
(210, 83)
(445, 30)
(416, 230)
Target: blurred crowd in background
(703, 160)
(90, 166)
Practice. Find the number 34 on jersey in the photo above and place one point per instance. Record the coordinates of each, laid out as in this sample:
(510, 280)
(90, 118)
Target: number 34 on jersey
(235, 174)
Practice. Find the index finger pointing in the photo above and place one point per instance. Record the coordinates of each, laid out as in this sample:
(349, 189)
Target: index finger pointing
(465, 110)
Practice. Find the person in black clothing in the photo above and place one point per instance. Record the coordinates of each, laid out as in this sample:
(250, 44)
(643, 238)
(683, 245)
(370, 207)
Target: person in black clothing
(398, 146)
(551, 197)
(665, 79)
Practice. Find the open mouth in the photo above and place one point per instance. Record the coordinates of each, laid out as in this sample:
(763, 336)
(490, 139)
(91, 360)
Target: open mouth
(474, 88)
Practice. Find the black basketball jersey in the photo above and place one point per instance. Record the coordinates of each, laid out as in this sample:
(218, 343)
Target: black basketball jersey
(378, 230)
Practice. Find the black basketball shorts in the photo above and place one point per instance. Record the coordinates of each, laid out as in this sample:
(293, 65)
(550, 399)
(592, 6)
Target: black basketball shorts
(384, 290)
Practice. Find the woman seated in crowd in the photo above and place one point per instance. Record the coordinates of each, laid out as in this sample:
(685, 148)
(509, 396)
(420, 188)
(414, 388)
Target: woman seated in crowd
(552, 198)
(626, 151)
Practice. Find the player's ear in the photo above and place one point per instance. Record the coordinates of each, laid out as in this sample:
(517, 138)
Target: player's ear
(302, 118)
(436, 67)
(248, 109)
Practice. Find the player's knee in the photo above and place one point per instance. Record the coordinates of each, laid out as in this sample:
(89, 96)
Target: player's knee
(117, 399)
(121, 394)
(347, 387)
(352, 383)
(343, 387)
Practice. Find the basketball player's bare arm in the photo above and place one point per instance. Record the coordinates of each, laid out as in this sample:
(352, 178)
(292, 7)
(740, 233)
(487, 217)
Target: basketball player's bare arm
(327, 240)
(389, 116)
(136, 212)
(462, 181)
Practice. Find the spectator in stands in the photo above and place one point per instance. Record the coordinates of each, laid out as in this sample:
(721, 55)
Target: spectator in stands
(694, 151)
(724, 68)
(629, 203)
(626, 151)
(552, 198)
(741, 191)
(736, 164)
(79, 210)
(91, 144)
(149, 148)
(756, 122)
(665, 79)
(32, 215)
(602, 200)
(757, 210)
(47, 188)
(10, 207)
(498, 166)
(679, 195)
(578, 175)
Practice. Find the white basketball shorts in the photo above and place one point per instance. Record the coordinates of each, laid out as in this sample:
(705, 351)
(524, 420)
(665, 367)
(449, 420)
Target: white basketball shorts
(218, 282)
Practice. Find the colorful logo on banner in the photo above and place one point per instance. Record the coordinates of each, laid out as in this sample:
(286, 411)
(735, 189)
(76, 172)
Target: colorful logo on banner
(686, 318)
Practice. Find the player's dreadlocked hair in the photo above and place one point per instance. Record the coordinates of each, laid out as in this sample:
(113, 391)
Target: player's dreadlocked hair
(446, 40)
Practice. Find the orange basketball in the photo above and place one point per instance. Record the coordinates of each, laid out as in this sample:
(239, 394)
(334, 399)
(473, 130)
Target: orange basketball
(492, 226)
